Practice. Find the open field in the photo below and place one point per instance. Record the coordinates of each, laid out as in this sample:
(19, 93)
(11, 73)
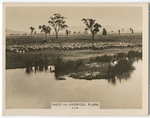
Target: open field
(75, 38)
(73, 54)
(15, 60)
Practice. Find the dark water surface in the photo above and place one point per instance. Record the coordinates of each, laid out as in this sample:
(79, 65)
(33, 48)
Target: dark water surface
(27, 88)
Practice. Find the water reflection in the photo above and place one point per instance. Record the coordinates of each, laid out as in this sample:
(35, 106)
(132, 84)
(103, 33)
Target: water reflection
(41, 68)
(125, 76)
(51, 69)
(59, 76)
(41, 88)
(36, 69)
(46, 68)
(112, 81)
(56, 76)
(138, 59)
(29, 70)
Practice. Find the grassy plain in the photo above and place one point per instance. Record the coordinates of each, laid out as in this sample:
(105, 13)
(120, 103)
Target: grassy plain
(74, 38)
(14, 60)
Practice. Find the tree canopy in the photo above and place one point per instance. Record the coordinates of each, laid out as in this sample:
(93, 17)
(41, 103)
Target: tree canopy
(131, 30)
(32, 29)
(92, 26)
(58, 23)
(119, 32)
(45, 29)
(104, 31)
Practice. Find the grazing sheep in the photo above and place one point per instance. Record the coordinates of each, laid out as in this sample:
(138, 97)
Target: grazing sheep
(23, 51)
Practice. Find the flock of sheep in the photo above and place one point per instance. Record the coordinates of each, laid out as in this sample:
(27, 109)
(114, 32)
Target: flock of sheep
(21, 49)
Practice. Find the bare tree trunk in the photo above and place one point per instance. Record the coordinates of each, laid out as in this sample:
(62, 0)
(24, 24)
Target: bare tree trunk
(92, 40)
(56, 33)
(46, 35)
(132, 31)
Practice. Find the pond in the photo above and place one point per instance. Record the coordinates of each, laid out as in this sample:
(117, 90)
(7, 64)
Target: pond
(27, 89)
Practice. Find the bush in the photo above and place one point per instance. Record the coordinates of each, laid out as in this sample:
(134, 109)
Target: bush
(121, 55)
(132, 54)
(122, 66)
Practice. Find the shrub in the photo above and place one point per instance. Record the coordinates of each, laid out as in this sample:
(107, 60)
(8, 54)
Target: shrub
(122, 66)
(132, 54)
(121, 55)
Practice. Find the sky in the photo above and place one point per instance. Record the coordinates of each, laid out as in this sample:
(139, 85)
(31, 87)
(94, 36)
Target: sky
(21, 18)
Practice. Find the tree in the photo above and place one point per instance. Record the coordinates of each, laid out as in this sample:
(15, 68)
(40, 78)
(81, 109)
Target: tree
(86, 30)
(34, 32)
(67, 32)
(45, 29)
(104, 31)
(119, 32)
(92, 26)
(122, 30)
(58, 23)
(131, 30)
(32, 29)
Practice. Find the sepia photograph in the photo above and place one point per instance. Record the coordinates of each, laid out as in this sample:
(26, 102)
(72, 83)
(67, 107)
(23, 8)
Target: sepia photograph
(75, 56)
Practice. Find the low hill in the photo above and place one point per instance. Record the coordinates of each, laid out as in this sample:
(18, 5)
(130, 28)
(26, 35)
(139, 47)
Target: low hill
(8, 31)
